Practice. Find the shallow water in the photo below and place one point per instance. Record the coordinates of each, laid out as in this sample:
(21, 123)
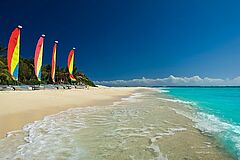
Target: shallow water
(141, 127)
(218, 112)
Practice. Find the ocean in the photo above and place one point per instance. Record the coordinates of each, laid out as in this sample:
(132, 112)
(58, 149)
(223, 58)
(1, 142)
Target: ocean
(218, 112)
(168, 123)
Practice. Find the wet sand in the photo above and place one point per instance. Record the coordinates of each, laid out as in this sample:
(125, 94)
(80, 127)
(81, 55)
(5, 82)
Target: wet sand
(22, 107)
(190, 143)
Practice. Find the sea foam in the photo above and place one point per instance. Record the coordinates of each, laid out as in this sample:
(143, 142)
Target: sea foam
(52, 136)
(209, 123)
(177, 101)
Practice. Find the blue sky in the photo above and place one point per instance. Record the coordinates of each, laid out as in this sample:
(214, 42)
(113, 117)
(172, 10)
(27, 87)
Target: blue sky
(126, 39)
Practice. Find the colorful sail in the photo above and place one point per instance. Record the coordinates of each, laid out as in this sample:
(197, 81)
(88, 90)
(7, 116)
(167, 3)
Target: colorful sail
(13, 53)
(54, 55)
(38, 58)
(70, 64)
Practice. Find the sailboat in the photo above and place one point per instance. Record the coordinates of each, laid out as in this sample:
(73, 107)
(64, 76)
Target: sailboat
(38, 58)
(70, 64)
(13, 53)
(54, 55)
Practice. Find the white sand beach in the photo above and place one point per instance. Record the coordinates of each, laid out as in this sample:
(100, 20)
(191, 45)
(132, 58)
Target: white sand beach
(21, 107)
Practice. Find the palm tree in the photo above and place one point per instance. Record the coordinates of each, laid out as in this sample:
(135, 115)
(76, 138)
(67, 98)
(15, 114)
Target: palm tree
(5, 77)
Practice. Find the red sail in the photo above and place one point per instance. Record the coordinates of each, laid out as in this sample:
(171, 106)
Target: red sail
(54, 55)
(70, 64)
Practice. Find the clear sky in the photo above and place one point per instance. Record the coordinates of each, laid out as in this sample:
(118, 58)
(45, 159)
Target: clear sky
(125, 39)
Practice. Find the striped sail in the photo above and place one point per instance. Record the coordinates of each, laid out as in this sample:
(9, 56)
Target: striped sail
(70, 64)
(13, 53)
(38, 58)
(54, 55)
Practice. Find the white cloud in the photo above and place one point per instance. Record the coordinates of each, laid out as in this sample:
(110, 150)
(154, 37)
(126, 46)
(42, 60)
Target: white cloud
(173, 81)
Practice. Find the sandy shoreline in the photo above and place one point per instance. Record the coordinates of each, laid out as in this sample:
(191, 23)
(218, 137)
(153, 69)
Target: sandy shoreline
(173, 133)
(22, 107)
(191, 143)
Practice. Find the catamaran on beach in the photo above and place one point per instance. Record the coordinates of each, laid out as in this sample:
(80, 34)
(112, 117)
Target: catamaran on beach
(13, 55)
(155, 80)
(82, 122)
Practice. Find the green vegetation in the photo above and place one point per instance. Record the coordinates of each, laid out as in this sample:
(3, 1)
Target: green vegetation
(27, 76)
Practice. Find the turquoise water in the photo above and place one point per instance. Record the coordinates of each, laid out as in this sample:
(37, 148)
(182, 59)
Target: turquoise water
(218, 112)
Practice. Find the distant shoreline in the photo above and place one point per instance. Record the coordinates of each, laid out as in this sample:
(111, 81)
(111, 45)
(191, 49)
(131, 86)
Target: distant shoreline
(182, 86)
